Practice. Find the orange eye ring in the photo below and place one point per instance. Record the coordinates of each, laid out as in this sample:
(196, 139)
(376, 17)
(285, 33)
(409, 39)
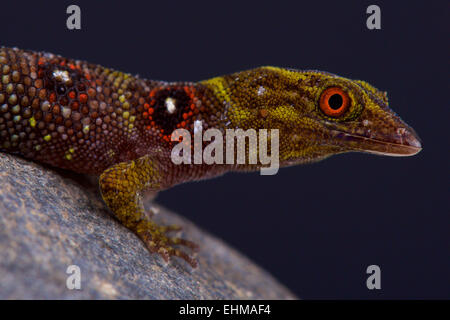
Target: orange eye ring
(334, 101)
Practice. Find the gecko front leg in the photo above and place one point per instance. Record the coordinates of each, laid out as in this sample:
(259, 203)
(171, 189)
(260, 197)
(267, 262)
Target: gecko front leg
(121, 187)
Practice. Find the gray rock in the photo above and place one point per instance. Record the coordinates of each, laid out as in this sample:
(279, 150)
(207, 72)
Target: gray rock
(50, 220)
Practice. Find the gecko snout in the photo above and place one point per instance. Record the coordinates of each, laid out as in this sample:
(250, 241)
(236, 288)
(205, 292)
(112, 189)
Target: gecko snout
(397, 140)
(408, 138)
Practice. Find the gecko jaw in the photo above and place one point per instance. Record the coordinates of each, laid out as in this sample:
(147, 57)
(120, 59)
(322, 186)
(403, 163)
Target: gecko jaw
(405, 145)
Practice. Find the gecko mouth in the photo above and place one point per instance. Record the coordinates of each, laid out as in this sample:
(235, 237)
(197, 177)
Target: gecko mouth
(400, 145)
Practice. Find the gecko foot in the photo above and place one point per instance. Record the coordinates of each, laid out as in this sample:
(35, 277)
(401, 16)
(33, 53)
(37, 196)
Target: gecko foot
(157, 241)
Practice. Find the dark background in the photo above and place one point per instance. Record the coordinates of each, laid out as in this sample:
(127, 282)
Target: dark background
(315, 227)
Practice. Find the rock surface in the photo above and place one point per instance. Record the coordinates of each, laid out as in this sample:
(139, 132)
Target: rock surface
(50, 220)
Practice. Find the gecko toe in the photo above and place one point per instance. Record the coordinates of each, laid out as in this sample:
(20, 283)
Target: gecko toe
(183, 242)
(169, 228)
(157, 242)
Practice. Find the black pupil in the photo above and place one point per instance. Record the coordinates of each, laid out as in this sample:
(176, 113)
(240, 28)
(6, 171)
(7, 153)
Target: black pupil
(335, 101)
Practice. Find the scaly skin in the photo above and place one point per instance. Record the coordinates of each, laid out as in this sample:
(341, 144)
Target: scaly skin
(94, 120)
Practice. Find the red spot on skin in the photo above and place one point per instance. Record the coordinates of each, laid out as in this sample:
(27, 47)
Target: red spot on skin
(72, 94)
(83, 98)
(190, 91)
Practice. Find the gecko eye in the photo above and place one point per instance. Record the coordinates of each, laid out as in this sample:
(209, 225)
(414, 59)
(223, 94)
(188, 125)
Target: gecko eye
(334, 101)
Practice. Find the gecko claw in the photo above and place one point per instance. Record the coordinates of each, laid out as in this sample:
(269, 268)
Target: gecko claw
(186, 258)
(156, 241)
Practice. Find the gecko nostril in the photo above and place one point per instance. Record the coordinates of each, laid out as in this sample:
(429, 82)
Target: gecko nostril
(401, 131)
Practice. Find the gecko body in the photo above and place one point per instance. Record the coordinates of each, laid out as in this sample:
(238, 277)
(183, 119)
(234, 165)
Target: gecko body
(94, 120)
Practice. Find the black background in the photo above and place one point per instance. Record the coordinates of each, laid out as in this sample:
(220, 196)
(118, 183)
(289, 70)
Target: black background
(315, 227)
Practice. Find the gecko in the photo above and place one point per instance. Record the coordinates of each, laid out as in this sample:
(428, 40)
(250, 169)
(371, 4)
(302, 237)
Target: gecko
(98, 121)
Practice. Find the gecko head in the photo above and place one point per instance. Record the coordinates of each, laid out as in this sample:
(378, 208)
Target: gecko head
(321, 114)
